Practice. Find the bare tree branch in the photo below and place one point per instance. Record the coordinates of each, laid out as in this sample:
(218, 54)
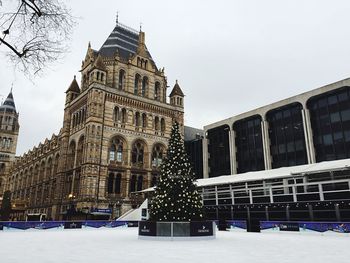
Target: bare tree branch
(35, 32)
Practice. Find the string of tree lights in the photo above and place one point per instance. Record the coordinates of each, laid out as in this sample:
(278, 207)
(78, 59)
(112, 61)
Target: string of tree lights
(176, 197)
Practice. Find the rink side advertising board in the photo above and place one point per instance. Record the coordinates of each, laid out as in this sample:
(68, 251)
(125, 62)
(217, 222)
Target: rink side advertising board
(289, 227)
(201, 229)
(147, 228)
(72, 225)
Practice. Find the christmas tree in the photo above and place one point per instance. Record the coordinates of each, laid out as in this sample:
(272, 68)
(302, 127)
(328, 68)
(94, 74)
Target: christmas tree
(176, 197)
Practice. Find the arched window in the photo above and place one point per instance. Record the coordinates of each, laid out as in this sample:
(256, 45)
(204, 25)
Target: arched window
(71, 155)
(136, 84)
(112, 151)
(124, 116)
(116, 150)
(98, 75)
(117, 183)
(121, 82)
(80, 150)
(137, 153)
(73, 121)
(144, 86)
(110, 183)
(157, 155)
(156, 123)
(139, 183)
(157, 91)
(102, 76)
(162, 125)
(132, 187)
(116, 116)
(137, 119)
(144, 120)
(49, 168)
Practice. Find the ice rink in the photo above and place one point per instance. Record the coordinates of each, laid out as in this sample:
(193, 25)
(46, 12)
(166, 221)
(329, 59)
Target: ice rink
(122, 245)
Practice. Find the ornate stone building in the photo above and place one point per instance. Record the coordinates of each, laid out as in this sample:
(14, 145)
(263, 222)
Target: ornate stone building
(9, 128)
(115, 132)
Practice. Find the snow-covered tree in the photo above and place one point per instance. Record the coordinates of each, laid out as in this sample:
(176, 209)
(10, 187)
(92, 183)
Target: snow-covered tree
(176, 197)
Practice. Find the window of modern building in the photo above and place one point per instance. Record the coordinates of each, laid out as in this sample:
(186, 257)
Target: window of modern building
(219, 151)
(330, 122)
(249, 145)
(286, 133)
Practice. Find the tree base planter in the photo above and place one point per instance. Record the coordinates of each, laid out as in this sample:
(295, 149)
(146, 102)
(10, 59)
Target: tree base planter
(200, 230)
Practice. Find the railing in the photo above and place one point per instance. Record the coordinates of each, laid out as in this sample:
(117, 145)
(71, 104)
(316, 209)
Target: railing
(297, 192)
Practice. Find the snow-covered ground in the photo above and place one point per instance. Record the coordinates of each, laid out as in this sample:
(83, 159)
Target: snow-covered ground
(121, 245)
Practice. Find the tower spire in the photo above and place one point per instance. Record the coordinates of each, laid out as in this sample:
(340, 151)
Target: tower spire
(117, 18)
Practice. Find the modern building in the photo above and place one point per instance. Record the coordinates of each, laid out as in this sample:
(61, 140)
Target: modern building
(308, 128)
(115, 132)
(194, 147)
(289, 160)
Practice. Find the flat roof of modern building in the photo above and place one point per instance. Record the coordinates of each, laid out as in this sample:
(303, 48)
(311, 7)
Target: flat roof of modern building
(283, 172)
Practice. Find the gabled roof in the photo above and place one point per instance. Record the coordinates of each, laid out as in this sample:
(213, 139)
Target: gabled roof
(9, 104)
(123, 41)
(74, 87)
(177, 91)
(98, 63)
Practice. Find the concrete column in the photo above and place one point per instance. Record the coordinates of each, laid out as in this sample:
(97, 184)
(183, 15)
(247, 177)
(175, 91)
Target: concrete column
(311, 212)
(267, 213)
(266, 144)
(233, 163)
(309, 142)
(287, 213)
(205, 158)
(337, 212)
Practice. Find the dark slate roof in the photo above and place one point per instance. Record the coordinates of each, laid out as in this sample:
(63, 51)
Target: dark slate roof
(176, 91)
(9, 104)
(123, 40)
(74, 87)
(193, 133)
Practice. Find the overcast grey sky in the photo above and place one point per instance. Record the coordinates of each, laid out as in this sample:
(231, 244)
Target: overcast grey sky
(229, 56)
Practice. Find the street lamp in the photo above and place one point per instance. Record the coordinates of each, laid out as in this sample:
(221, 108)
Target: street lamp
(71, 206)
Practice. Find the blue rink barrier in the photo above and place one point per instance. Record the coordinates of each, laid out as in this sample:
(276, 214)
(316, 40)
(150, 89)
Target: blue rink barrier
(44, 225)
(306, 227)
(236, 225)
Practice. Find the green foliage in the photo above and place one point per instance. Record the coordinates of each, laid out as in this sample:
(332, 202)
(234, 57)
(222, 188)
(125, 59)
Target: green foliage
(176, 197)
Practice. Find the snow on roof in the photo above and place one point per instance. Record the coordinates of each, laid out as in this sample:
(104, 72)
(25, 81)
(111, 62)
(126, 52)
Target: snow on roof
(276, 173)
(282, 172)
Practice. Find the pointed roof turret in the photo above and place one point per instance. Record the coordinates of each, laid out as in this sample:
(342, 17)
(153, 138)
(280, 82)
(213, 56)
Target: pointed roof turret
(99, 63)
(74, 87)
(9, 104)
(176, 91)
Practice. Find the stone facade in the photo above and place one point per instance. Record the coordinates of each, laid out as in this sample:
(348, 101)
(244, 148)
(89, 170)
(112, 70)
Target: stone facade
(115, 133)
(9, 128)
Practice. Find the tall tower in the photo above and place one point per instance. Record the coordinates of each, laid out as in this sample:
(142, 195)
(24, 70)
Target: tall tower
(9, 128)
